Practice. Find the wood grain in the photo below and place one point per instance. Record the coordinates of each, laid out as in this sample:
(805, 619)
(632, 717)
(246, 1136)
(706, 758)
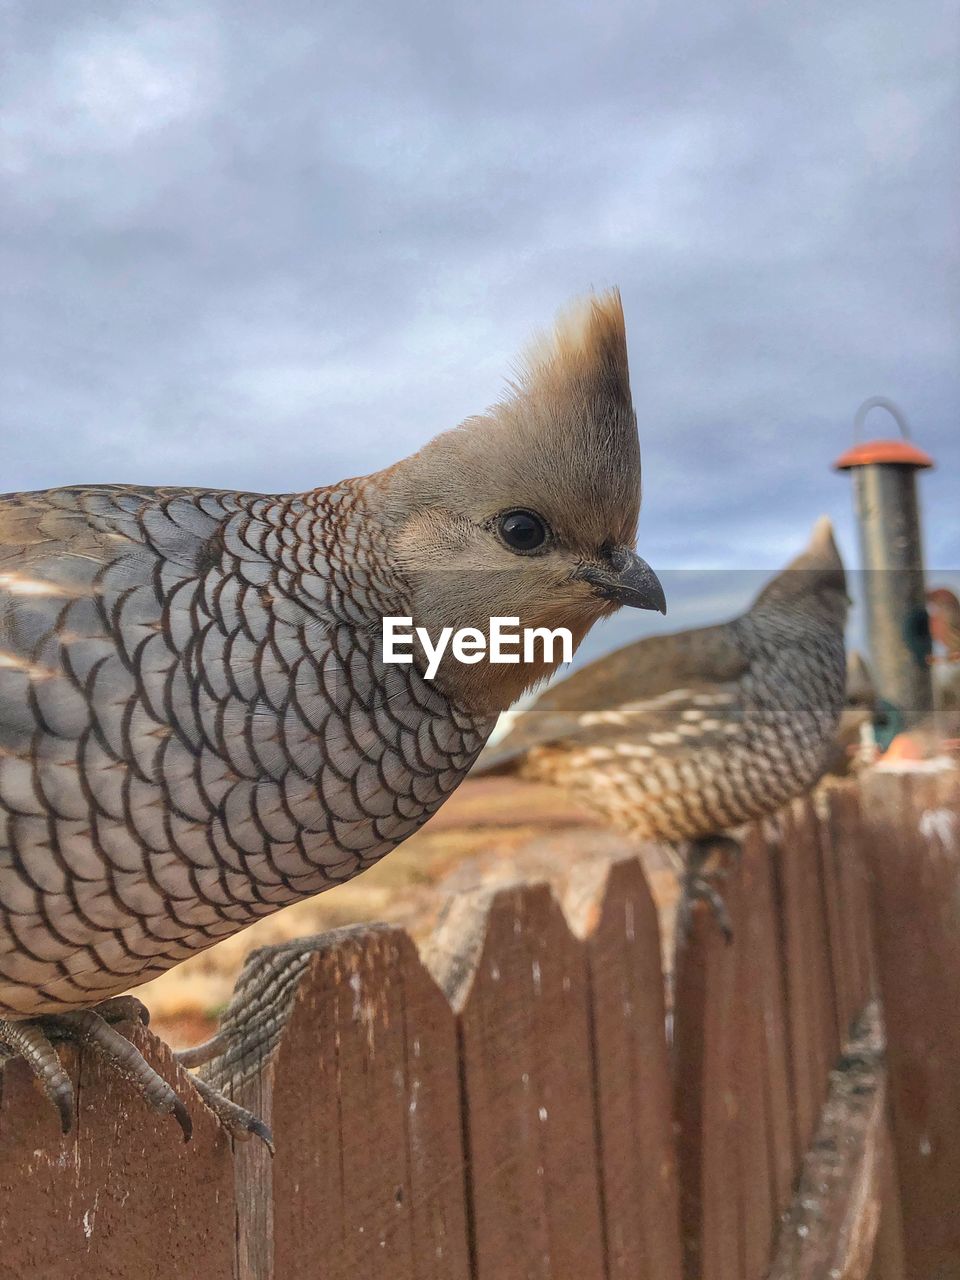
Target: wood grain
(913, 846)
(611, 908)
(122, 1195)
(707, 1095)
(528, 1086)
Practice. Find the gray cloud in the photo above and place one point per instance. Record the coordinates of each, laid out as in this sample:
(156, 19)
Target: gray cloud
(267, 248)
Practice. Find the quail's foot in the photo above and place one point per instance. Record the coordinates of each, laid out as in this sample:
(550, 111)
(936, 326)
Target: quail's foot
(705, 869)
(34, 1039)
(238, 1122)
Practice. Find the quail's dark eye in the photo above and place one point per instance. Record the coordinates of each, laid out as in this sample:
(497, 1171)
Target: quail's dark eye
(522, 530)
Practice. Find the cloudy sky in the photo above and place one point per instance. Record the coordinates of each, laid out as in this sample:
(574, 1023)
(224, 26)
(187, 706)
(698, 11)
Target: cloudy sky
(266, 246)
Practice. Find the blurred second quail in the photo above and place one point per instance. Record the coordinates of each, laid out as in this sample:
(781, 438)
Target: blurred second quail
(681, 737)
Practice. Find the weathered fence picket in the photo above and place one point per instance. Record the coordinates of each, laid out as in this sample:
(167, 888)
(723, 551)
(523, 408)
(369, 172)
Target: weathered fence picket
(705, 1034)
(528, 1088)
(610, 907)
(912, 845)
(361, 1081)
(761, 957)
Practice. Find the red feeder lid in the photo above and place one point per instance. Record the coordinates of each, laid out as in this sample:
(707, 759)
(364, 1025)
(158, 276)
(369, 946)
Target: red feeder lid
(894, 452)
(897, 453)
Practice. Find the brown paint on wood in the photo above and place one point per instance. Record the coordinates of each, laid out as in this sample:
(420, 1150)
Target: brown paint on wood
(800, 1009)
(528, 1084)
(121, 1196)
(810, 1002)
(846, 836)
(913, 846)
(839, 922)
(689, 1003)
(707, 1093)
(253, 1166)
(721, 1100)
(827, 1039)
(368, 1179)
(757, 1213)
(842, 912)
(765, 942)
(611, 905)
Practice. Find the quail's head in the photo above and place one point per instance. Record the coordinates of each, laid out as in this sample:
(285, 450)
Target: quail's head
(530, 510)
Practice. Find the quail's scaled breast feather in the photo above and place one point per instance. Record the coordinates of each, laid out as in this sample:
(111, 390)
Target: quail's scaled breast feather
(681, 737)
(197, 725)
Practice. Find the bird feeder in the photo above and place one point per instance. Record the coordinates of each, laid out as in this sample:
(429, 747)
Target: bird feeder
(885, 488)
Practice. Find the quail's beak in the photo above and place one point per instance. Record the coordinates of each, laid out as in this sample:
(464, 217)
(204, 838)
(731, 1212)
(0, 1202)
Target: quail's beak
(625, 579)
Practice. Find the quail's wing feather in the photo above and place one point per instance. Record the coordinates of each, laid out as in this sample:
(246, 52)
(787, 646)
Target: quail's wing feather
(67, 558)
(61, 547)
(699, 717)
(99, 587)
(648, 675)
(507, 754)
(56, 530)
(650, 667)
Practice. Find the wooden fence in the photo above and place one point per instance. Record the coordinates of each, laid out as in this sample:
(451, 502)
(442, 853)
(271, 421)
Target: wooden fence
(506, 1106)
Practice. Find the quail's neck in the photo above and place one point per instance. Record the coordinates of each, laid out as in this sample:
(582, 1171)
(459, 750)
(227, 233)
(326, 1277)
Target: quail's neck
(347, 543)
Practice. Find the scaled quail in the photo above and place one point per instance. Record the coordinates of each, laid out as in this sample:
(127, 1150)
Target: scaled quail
(681, 737)
(197, 725)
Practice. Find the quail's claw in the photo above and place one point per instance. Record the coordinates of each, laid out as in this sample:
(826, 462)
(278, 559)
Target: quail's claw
(27, 1040)
(182, 1117)
(88, 1027)
(697, 888)
(238, 1122)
